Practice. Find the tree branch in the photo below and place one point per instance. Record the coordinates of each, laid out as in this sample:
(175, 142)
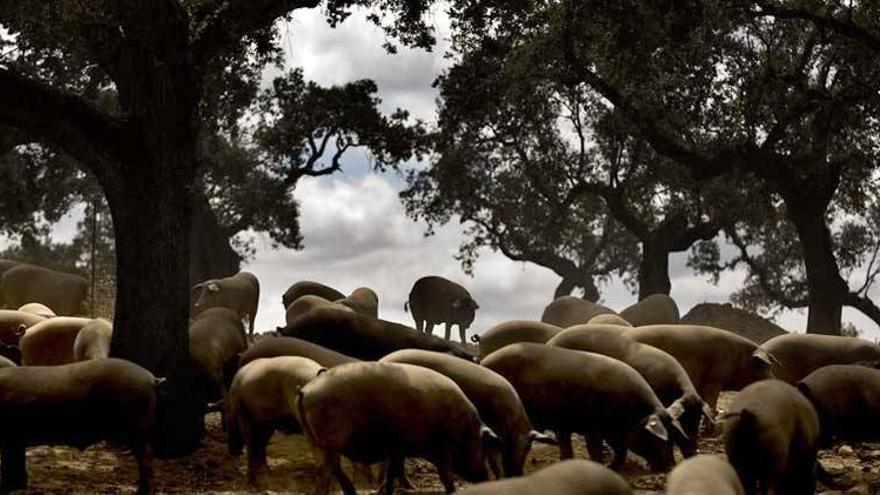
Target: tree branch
(760, 272)
(223, 23)
(846, 28)
(863, 304)
(58, 118)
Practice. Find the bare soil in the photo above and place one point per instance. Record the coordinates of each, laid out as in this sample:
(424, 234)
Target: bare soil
(99, 469)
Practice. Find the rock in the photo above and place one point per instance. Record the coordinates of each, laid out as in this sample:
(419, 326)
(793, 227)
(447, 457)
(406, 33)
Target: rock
(845, 450)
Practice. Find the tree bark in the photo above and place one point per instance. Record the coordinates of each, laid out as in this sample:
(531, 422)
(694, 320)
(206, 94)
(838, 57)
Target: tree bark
(827, 289)
(211, 254)
(654, 270)
(577, 279)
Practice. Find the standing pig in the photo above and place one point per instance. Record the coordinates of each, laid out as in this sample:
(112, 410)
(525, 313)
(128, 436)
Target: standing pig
(702, 475)
(571, 477)
(847, 399)
(434, 300)
(78, 405)
(566, 311)
(50, 342)
(240, 293)
(714, 359)
(515, 331)
(372, 412)
(14, 323)
(656, 309)
(582, 392)
(93, 341)
(363, 337)
(306, 303)
(662, 371)
(800, 354)
(771, 436)
(64, 293)
(216, 339)
(306, 287)
(261, 401)
(291, 346)
(495, 399)
(363, 300)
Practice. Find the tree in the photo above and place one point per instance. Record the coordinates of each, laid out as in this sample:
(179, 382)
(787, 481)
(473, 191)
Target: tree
(171, 65)
(544, 172)
(721, 87)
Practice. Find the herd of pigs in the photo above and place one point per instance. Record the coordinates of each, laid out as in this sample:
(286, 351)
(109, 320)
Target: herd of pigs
(379, 392)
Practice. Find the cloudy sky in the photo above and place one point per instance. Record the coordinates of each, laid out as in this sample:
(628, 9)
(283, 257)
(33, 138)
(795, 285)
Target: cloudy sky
(355, 231)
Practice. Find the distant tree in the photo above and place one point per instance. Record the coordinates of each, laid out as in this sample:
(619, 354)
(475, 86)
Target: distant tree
(543, 172)
(173, 67)
(723, 87)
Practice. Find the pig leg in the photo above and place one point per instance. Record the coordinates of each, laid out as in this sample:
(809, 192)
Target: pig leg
(365, 470)
(326, 462)
(444, 471)
(344, 483)
(144, 457)
(618, 446)
(565, 449)
(420, 326)
(429, 327)
(13, 471)
(461, 332)
(594, 447)
(257, 440)
(392, 470)
(448, 326)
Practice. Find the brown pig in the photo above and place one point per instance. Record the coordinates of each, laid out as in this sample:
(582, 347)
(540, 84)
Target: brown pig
(261, 401)
(78, 405)
(609, 319)
(291, 346)
(702, 475)
(567, 311)
(363, 300)
(847, 399)
(714, 359)
(515, 331)
(373, 412)
(570, 477)
(582, 392)
(800, 354)
(14, 323)
(306, 303)
(93, 341)
(38, 309)
(50, 342)
(656, 309)
(663, 372)
(495, 399)
(771, 437)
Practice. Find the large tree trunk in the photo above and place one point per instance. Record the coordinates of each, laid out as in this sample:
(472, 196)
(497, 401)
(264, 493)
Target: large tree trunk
(827, 289)
(577, 279)
(211, 253)
(654, 270)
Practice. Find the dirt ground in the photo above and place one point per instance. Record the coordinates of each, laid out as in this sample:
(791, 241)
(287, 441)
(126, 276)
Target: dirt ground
(212, 470)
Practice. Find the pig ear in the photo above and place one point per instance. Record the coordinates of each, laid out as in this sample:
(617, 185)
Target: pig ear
(321, 371)
(539, 437)
(456, 303)
(22, 328)
(708, 413)
(767, 357)
(680, 429)
(489, 438)
(474, 304)
(213, 287)
(656, 428)
(676, 409)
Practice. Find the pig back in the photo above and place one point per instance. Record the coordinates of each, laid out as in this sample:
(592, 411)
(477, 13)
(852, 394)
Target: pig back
(847, 400)
(569, 477)
(801, 354)
(292, 346)
(515, 331)
(50, 342)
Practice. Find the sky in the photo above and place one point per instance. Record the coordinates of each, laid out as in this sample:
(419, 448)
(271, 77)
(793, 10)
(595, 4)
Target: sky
(354, 227)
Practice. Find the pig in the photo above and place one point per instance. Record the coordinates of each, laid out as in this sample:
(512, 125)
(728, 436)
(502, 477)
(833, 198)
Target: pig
(435, 300)
(847, 400)
(78, 405)
(567, 311)
(6, 362)
(240, 293)
(372, 412)
(704, 474)
(14, 323)
(363, 300)
(515, 331)
(800, 354)
(495, 399)
(771, 437)
(291, 346)
(38, 309)
(93, 341)
(10, 352)
(656, 309)
(363, 337)
(64, 293)
(216, 339)
(306, 287)
(609, 319)
(261, 401)
(581, 392)
(50, 342)
(663, 372)
(714, 359)
(306, 303)
(570, 477)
